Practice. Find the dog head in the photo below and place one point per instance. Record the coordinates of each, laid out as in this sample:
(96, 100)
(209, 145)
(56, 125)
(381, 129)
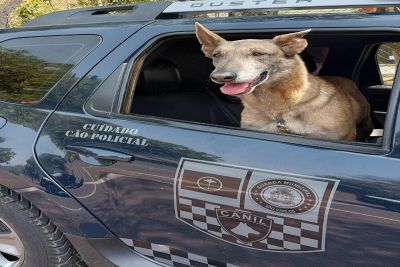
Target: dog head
(245, 64)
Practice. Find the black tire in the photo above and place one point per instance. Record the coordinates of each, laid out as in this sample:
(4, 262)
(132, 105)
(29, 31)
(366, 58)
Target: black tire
(43, 244)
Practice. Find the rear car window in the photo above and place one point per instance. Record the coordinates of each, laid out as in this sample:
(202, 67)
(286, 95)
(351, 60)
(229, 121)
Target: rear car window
(30, 67)
(387, 57)
(167, 83)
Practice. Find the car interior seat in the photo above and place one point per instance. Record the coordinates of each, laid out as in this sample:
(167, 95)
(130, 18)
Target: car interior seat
(159, 93)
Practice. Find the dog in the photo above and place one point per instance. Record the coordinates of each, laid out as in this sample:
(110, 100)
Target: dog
(278, 93)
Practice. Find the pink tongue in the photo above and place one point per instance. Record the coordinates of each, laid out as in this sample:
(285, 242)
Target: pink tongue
(234, 88)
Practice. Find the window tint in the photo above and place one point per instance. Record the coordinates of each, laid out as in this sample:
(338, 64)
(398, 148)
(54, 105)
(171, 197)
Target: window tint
(387, 57)
(30, 67)
(318, 56)
(102, 101)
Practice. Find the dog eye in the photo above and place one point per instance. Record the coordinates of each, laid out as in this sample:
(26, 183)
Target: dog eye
(217, 55)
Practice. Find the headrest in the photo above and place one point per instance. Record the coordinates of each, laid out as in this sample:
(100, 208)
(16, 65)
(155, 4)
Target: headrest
(159, 76)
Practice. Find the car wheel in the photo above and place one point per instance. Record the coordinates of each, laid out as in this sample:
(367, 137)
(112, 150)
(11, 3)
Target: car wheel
(29, 238)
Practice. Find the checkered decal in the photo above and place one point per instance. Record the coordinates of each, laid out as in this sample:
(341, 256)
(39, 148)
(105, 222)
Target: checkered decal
(171, 256)
(256, 209)
(286, 233)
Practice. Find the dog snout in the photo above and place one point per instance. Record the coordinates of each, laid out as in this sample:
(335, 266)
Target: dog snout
(225, 76)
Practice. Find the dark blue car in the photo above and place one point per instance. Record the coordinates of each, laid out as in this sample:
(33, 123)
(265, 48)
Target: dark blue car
(116, 149)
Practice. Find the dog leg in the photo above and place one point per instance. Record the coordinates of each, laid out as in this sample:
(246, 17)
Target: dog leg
(364, 128)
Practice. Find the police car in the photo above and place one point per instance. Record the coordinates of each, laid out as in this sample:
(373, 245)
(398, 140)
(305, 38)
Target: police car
(116, 149)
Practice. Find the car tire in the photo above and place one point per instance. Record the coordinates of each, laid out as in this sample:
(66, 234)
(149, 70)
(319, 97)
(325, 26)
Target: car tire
(28, 238)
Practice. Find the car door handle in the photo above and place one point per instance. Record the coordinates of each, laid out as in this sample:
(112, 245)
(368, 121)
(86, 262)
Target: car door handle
(101, 154)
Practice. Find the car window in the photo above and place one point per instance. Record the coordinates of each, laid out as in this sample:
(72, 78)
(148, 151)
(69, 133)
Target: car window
(172, 81)
(387, 58)
(319, 56)
(30, 67)
(99, 103)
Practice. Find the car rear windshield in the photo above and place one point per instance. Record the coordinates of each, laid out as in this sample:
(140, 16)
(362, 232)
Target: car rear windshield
(30, 67)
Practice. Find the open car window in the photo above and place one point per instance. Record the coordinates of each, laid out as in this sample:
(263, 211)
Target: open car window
(171, 80)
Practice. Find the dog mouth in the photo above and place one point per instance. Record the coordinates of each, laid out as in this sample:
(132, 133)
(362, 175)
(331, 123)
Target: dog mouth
(244, 87)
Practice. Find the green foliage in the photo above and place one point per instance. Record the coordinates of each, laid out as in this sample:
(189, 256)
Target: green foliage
(5, 153)
(25, 78)
(30, 9)
(105, 2)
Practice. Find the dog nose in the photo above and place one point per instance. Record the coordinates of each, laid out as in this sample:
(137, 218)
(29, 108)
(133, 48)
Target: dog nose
(225, 76)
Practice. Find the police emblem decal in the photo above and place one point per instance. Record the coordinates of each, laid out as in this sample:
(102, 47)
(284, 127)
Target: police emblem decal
(253, 208)
(244, 225)
(209, 183)
(284, 196)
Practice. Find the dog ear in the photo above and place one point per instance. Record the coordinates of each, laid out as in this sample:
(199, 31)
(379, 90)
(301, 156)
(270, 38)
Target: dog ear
(292, 43)
(208, 40)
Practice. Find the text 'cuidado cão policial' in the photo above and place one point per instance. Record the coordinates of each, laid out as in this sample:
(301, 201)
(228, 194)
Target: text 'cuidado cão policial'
(108, 133)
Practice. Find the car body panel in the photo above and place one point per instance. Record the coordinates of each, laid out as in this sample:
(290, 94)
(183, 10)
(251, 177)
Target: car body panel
(132, 196)
(135, 199)
(21, 172)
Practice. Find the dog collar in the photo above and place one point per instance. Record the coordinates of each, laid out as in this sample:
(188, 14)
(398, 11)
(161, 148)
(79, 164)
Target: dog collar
(281, 124)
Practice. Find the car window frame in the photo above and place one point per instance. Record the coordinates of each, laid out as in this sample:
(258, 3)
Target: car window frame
(127, 89)
(378, 67)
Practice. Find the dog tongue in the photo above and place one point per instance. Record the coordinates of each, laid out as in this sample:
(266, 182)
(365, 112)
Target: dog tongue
(234, 88)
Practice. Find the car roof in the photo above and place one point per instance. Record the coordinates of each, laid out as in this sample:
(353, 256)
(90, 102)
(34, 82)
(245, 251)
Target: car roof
(151, 11)
(107, 14)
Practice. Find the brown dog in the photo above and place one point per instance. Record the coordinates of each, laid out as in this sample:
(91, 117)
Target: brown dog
(278, 93)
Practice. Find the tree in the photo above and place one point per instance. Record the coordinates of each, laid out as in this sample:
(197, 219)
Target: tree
(5, 153)
(25, 78)
(30, 9)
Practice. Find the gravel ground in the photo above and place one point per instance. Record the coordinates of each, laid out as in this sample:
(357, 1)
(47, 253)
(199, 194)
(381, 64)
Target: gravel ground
(6, 8)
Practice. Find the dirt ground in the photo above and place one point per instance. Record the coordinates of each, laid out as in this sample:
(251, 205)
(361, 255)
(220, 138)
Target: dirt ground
(6, 8)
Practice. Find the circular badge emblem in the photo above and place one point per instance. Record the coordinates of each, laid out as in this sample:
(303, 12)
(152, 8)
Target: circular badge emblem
(208, 183)
(284, 196)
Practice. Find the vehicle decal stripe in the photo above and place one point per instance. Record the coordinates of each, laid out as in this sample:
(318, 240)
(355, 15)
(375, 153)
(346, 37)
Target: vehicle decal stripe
(244, 188)
(171, 256)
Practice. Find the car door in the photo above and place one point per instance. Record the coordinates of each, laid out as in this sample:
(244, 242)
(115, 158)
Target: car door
(189, 194)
